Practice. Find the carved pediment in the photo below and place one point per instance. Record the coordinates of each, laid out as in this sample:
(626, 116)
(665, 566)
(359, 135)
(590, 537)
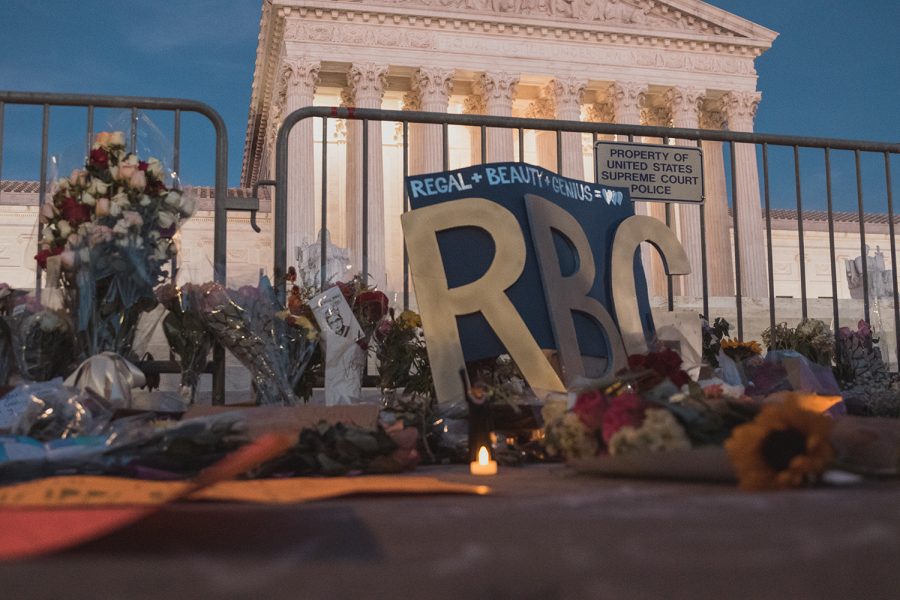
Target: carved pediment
(689, 16)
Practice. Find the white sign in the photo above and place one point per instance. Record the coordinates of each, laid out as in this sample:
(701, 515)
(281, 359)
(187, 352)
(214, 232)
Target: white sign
(652, 172)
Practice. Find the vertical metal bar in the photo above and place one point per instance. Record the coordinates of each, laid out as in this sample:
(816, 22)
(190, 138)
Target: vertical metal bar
(799, 198)
(2, 112)
(831, 248)
(737, 246)
(594, 152)
(483, 144)
(704, 268)
(176, 170)
(769, 252)
(133, 137)
(862, 237)
(365, 201)
(220, 244)
(559, 158)
(90, 130)
(669, 282)
(176, 144)
(323, 243)
(445, 142)
(521, 145)
(42, 190)
(405, 209)
(890, 207)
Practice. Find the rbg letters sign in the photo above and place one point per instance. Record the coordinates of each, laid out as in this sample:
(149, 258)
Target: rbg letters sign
(512, 258)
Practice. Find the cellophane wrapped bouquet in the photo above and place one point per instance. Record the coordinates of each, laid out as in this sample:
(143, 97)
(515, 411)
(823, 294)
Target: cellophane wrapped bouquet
(275, 345)
(107, 239)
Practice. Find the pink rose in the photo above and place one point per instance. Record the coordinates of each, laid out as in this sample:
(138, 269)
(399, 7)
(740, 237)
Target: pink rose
(67, 258)
(132, 218)
(627, 409)
(48, 212)
(590, 406)
(102, 207)
(138, 180)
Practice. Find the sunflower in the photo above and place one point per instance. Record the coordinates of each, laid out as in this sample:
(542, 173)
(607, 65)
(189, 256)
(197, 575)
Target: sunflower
(738, 350)
(785, 446)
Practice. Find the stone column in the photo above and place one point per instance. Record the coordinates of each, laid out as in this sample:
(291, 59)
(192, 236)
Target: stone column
(300, 76)
(365, 89)
(474, 105)
(431, 93)
(566, 94)
(545, 141)
(684, 109)
(740, 109)
(498, 90)
(720, 270)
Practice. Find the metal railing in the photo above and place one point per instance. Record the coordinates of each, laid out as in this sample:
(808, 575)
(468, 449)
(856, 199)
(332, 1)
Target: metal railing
(761, 142)
(175, 105)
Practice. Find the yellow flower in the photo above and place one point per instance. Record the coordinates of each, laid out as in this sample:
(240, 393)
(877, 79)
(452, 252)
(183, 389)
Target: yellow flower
(738, 346)
(785, 446)
(409, 319)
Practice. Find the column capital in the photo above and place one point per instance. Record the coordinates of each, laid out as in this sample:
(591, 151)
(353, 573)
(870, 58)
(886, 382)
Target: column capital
(497, 89)
(739, 109)
(474, 105)
(656, 116)
(601, 112)
(366, 82)
(566, 95)
(711, 117)
(684, 105)
(541, 108)
(432, 86)
(626, 99)
(300, 74)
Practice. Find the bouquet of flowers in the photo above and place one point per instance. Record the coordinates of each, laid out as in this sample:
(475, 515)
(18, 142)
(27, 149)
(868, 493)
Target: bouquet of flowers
(186, 333)
(107, 237)
(275, 345)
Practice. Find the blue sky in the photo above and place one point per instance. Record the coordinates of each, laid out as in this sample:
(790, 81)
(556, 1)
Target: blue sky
(834, 70)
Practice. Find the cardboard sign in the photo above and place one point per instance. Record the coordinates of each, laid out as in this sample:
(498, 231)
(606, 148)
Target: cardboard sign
(653, 172)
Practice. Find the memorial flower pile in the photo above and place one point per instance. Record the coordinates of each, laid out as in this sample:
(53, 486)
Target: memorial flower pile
(108, 234)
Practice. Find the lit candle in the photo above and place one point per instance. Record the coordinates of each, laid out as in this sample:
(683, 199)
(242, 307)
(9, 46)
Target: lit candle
(484, 465)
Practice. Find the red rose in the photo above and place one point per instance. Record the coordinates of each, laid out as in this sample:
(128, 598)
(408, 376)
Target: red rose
(142, 166)
(346, 290)
(42, 256)
(373, 305)
(590, 406)
(637, 361)
(74, 212)
(99, 158)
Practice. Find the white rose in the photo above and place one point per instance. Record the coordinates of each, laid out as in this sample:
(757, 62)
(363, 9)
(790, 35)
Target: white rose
(165, 219)
(121, 199)
(153, 235)
(155, 167)
(114, 172)
(116, 138)
(162, 250)
(48, 236)
(63, 184)
(64, 228)
(115, 209)
(173, 198)
(87, 198)
(84, 255)
(121, 227)
(98, 187)
(145, 200)
(187, 206)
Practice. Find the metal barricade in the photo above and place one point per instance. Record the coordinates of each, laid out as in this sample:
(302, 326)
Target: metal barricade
(763, 143)
(177, 106)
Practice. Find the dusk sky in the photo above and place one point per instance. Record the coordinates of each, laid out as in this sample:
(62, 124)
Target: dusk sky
(834, 70)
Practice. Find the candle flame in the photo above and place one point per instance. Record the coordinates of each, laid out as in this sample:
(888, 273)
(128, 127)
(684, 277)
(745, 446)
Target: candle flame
(483, 456)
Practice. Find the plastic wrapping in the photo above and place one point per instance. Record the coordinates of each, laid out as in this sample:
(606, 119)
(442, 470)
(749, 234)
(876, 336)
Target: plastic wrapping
(109, 376)
(186, 333)
(273, 344)
(43, 345)
(52, 410)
